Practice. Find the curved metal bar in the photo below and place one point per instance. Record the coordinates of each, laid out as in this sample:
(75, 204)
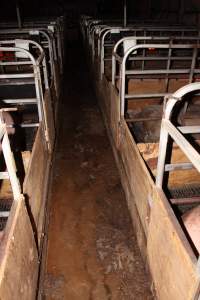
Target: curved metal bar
(57, 24)
(9, 160)
(37, 80)
(102, 43)
(49, 37)
(168, 129)
(89, 29)
(116, 57)
(40, 59)
(178, 96)
(52, 53)
(144, 46)
(99, 38)
(145, 29)
(16, 49)
(102, 47)
(96, 29)
(43, 31)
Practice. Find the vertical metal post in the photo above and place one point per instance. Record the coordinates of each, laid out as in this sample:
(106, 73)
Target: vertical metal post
(11, 167)
(19, 20)
(162, 156)
(125, 13)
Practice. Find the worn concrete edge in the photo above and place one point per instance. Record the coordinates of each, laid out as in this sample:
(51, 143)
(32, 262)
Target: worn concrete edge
(47, 199)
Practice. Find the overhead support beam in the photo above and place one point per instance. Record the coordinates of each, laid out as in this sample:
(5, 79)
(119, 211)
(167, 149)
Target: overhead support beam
(19, 20)
(125, 13)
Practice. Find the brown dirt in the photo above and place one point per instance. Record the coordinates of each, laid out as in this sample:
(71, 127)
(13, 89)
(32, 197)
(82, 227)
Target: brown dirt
(92, 250)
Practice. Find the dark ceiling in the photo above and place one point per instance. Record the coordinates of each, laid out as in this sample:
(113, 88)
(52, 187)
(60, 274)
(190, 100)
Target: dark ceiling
(112, 8)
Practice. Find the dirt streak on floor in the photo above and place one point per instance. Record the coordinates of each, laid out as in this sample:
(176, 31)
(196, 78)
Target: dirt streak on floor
(92, 250)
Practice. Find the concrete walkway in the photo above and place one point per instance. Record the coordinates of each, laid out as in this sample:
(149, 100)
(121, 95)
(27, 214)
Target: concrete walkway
(92, 250)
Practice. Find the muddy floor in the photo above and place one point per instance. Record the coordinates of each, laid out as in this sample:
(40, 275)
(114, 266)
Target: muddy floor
(92, 250)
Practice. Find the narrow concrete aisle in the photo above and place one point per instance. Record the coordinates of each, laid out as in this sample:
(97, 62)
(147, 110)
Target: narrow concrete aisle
(92, 250)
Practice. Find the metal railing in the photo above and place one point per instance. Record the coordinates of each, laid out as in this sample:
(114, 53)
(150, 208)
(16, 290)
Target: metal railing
(166, 73)
(47, 42)
(32, 72)
(168, 129)
(134, 40)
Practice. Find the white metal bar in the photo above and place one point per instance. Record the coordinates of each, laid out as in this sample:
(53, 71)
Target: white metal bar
(4, 175)
(29, 125)
(140, 96)
(167, 128)
(152, 38)
(178, 166)
(189, 129)
(2, 130)
(11, 167)
(4, 214)
(124, 72)
(161, 156)
(40, 60)
(15, 63)
(20, 101)
(164, 71)
(13, 76)
(185, 146)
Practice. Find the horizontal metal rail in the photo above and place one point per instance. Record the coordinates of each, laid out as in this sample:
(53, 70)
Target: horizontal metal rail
(21, 78)
(165, 72)
(13, 76)
(168, 129)
(178, 166)
(9, 160)
(20, 101)
(143, 32)
(147, 95)
(40, 59)
(171, 40)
